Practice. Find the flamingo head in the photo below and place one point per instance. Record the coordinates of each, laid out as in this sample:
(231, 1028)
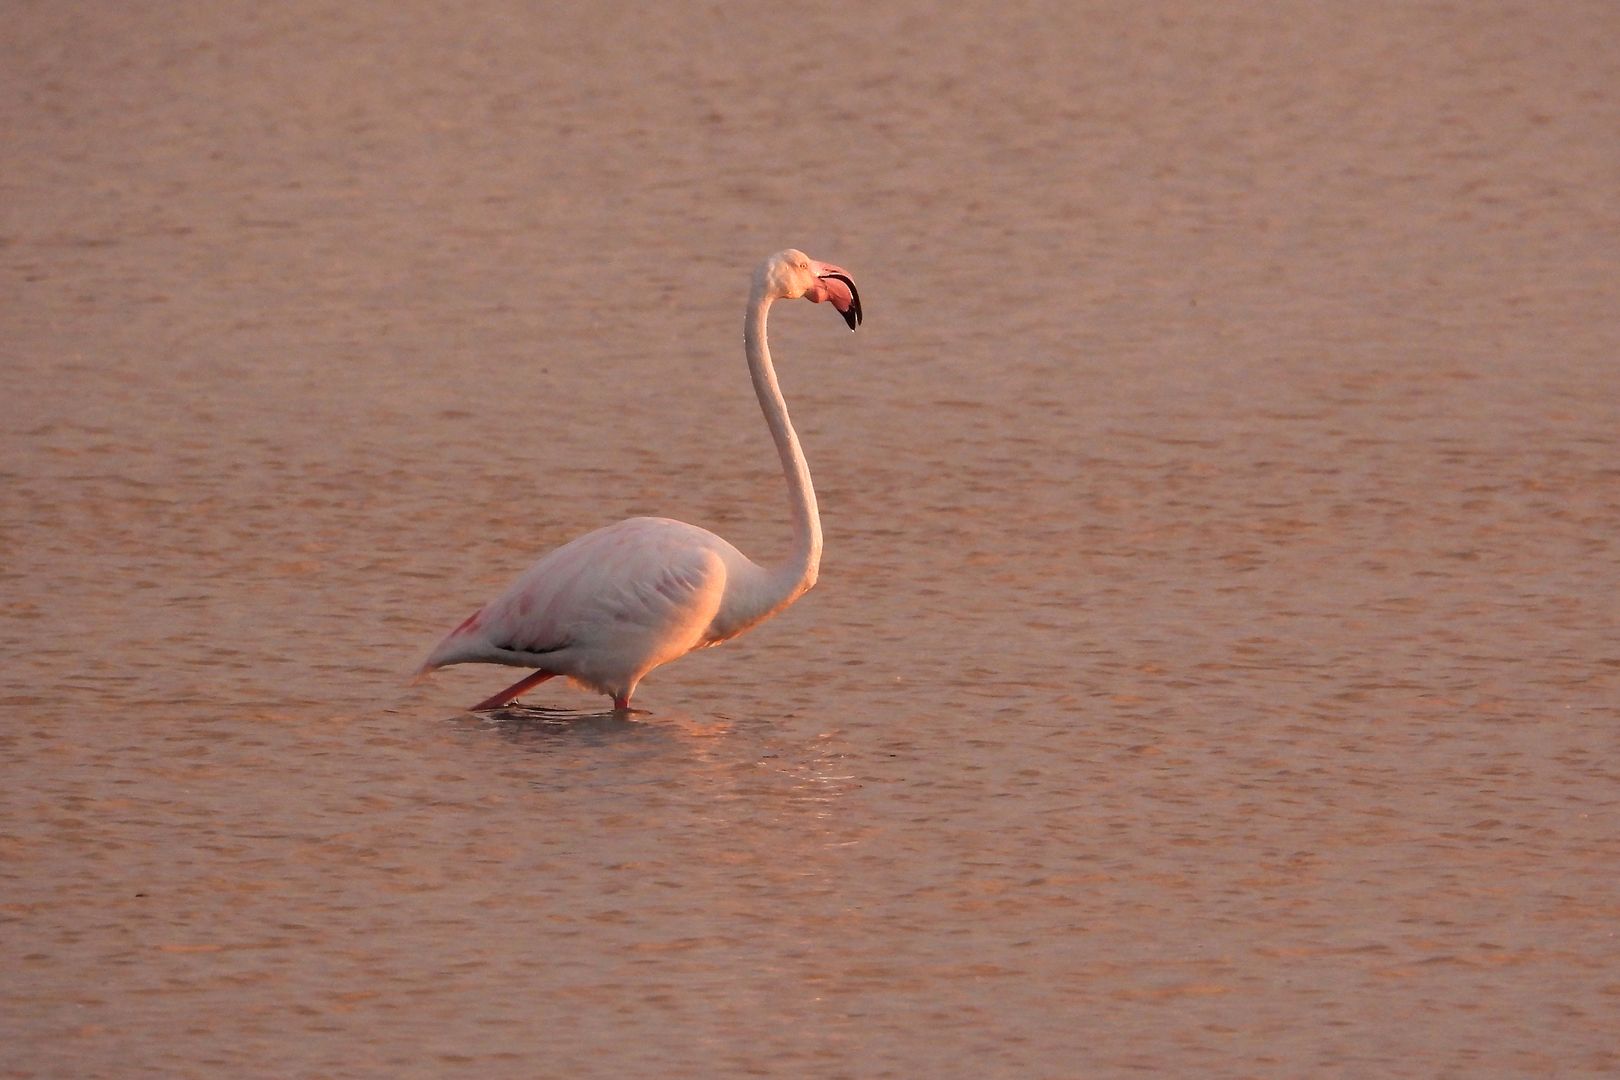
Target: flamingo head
(791, 274)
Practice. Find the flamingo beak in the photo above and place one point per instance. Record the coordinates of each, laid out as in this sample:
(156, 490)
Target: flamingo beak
(833, 283)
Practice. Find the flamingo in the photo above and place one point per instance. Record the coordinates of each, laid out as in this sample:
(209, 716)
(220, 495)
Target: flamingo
(609, 606)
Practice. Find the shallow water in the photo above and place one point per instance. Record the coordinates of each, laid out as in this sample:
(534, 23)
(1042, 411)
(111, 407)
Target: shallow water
(1215, 661)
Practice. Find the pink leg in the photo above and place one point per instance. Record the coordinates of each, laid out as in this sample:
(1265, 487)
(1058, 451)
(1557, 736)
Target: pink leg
(622, 704)
(510, 694)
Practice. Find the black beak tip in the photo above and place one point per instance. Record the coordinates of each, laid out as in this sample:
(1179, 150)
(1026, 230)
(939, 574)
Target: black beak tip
(853, 315)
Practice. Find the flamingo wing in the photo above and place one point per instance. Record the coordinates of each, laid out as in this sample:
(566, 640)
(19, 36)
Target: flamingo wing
(605, 608)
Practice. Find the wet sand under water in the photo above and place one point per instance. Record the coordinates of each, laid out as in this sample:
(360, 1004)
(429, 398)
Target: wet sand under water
(1215, 662)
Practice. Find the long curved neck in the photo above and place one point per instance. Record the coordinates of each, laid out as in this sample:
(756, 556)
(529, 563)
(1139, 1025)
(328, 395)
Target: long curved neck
(790, 579)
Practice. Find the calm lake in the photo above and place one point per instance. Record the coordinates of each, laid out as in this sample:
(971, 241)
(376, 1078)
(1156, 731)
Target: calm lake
(1215, 663)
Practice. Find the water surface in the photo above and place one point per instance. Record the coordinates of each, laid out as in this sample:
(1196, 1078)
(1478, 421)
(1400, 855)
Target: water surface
(1214, 667)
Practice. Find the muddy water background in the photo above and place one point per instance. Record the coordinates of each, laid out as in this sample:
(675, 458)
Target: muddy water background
(1215, 666)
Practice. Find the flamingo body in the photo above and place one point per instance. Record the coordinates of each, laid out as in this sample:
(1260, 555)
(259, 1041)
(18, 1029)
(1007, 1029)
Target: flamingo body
(608, 607)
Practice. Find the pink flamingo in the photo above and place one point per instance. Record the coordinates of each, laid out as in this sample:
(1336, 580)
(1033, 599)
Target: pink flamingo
(610, 606)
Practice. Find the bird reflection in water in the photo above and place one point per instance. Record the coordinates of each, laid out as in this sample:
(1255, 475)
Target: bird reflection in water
(738, 769)
(540, 728)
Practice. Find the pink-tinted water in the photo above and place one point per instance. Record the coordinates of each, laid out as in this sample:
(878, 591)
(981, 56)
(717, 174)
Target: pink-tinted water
(1215, 666)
